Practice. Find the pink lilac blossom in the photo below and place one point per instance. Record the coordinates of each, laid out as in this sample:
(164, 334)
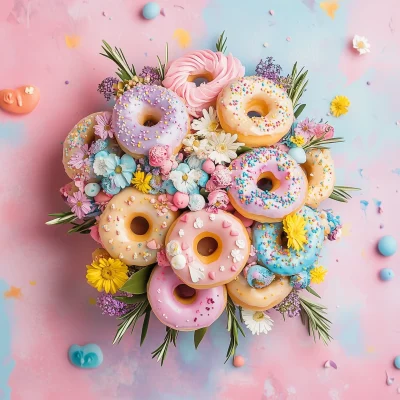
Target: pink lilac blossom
(80, 204)
(221, 178)
(217, 200)
(103, 127)
(80, 158)
(210, 186)
(305, 128)
(324, 130)
(158, 155)
(113, 307)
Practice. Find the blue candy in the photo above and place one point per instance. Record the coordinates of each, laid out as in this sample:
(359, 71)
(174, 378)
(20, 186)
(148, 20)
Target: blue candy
(287, 261)
(203, 179)
(386, 274)
(259, 277)
(387, 245)
(396, 362)
(88, 356)
(298, 154)
(151, 10)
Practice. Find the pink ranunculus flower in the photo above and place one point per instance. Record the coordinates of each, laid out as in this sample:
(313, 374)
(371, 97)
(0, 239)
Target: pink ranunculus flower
(217, 200)
(210, 186)
(325, 130)
(158, 155)
(222, 178)
(162, 259)
(94, 234)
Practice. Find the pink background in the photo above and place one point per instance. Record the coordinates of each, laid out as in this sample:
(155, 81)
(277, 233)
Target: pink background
(48, 42)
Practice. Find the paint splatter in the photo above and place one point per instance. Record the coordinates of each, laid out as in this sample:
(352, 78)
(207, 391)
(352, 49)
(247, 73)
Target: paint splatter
(330, 7)
(72, 41)
(92, 301)
(346, 230)
(364, 206)
(11, 133)
(361, 172)
(310, 4)
(396, 171)
(33, 283)
(183, 37)
(13, 293)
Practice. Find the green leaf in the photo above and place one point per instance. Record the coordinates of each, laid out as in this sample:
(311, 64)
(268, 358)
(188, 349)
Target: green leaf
(139, 298)
(312, 291)
(221, 43)
(299, 110)
(204, 193)
(161, 351)
(137, 283)
(243, 149)
(198, 336)
(145, 325)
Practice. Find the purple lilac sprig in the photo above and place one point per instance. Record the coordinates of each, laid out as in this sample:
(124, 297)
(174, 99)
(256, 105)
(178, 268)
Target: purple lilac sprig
(290, 305)
(151, 75)
(106, 87)
(111, 306)
(268, 69)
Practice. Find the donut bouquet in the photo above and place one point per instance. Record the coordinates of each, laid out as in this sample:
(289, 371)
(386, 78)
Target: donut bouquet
(203, 187)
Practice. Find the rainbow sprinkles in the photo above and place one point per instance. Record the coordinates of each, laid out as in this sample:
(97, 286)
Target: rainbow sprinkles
(204, 198)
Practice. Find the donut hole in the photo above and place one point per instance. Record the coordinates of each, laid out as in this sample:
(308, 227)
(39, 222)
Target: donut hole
(200, 79)
(257, 108)
(307, 169)
(185, 294)
(268, 182)
(149, 118)
(140, 226)
(283, 240)
(252, 114)
(207, 246)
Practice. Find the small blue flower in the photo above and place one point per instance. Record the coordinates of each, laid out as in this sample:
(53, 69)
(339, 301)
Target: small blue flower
(194, 162)
(120, 170)
(109, 187)
(169, 187)
(301, 280)
(203, 178)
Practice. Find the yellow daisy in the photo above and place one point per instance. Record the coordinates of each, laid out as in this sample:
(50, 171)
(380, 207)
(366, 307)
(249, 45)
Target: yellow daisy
(318, 274)
(107, 274)
(294, 227)
(141, 181)
(297, 140)
(340, 105)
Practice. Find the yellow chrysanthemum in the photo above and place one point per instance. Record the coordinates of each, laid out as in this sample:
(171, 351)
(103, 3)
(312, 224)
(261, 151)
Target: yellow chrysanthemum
(297, 140)
(141, 181)
(293, 225)
(107, 274)
(318, 274)
(340, 105)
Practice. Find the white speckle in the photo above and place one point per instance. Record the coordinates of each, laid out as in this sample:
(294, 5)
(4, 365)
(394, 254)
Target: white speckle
(159, 301)
(158, 290)
(198, 223)
(112, 206)
(212, 217)
(135, 256)
(240, 243)
(288, 39)
(128, 248)
(187, 320)
(269, 390)
(181, 233)
(110, 240)
(291, 390)
(121, 256)
(222, 268)
(265, 44)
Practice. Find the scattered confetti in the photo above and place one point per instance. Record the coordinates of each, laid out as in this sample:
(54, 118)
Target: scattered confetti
(238, 361)
(364, 205)
(162, 12)
(331, 363)
(368, 83)
(33, 283)
(183, 37)
(178, 6)
(92, 301)
(66, 82)
(330, 7)
(288, 39)
(14, 292)
(104, 14)
(272, 12)
(265, 44)
(72, 41)
(381, 226)
(361, 171)
(389, 381)
(397, 122)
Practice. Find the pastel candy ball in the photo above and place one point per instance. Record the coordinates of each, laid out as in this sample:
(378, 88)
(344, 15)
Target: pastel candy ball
(178, 261)
(238, 361)
(298, 154)
(208, 166)
(203, 179)
(88, 356)
(386, 274)
(181, 200)
(387, 245)
(259, 277)
(102, 197)
(92, 189)
(196, 202)
(396, 362)
(151, 10)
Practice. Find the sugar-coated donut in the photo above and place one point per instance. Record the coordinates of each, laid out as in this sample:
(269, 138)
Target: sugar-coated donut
(194, 310)
(218, 70)
(146, 116)
(134, 225)
(259, 95)
(287, 261)
(262, 299)
(207, 250)
(287, 191)
(320, 174)
(78, 141)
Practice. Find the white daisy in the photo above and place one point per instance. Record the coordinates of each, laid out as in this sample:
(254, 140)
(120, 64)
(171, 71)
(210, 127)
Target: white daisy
(185, 182)
(223, 147)
(257, 321)
(199, 147)
(361, 44)
(207, 124)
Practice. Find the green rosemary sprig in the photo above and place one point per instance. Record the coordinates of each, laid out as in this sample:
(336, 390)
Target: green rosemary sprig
(341, 193)
(312, 316)
(162, 66)
(321, 143)
(161, 351)
(233, 328)
(83, 227)
(130, 319)
(125, 72)
(297, 88)
(221, 43)
(61, 218)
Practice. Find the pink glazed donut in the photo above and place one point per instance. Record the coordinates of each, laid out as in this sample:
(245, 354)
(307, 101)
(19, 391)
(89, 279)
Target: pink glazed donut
(267, 185)
(207, 250)
(217, 68)
(180, 307)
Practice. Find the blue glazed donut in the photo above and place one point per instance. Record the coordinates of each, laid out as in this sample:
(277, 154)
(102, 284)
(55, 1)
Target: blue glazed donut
(287, 261)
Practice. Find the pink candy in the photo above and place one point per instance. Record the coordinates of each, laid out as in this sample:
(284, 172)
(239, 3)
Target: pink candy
(158, 155)
(208, 166)
(181, 200)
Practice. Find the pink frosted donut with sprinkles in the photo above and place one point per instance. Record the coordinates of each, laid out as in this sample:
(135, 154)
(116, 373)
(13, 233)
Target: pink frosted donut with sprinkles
(207, 250)
(146, 116)
(267, 185)
(181, 307)
(215, 67)
(254, 94)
